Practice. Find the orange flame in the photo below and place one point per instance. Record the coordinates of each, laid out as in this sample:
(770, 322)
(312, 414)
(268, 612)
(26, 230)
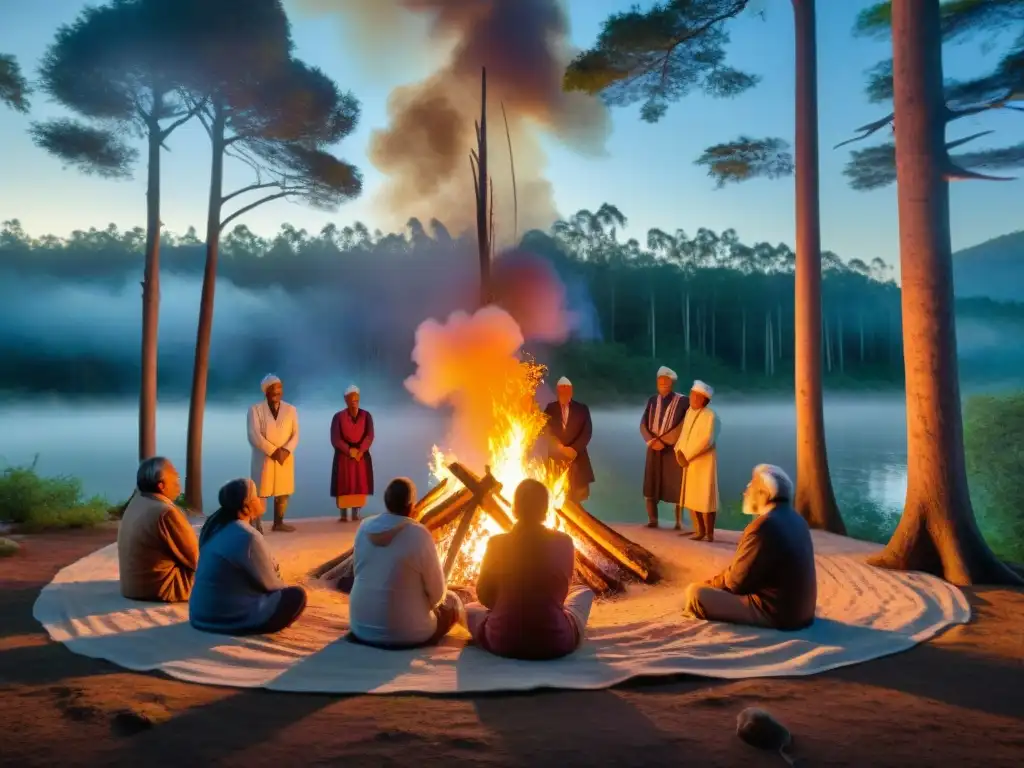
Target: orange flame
(518, 423)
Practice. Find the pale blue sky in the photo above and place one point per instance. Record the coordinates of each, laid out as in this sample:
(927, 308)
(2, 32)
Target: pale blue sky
(648, 171)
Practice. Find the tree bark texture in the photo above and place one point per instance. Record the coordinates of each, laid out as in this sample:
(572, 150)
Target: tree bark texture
(815, 499)
(937, 532)
(201, 367)
(150, 299)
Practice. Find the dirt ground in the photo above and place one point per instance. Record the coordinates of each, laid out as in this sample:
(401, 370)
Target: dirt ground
(958, 701)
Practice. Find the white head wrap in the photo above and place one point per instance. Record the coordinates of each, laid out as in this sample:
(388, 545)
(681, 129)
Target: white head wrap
(705, 389)
(352, 390)
(268, 380)
(666, 371)
(564, 382)
(775, 481)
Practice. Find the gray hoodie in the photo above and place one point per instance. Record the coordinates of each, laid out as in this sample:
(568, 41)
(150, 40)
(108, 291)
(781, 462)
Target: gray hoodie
(398, 581)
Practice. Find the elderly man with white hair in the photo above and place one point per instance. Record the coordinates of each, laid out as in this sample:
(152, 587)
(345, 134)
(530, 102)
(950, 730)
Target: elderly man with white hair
(697, 453)
(273, 432)
(352, 470)
(660, 427)
(569, 429)
(771, 581)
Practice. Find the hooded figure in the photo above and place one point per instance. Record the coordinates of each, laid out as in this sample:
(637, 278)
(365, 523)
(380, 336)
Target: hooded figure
(399, 598)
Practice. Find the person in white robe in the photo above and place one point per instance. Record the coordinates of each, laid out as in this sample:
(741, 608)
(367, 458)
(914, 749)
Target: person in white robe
(697, 453)
(273, 431)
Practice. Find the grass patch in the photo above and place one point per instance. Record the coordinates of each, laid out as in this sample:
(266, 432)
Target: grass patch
(993, 431)
(32, 503)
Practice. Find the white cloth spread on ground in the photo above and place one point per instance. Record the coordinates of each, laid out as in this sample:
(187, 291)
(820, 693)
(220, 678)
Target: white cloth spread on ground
(863, 613)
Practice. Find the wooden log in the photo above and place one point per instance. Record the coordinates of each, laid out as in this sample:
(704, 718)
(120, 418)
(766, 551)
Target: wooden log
(607, 582)
(430, 499)
(460, 536)
(632, 556)
(588, 574)
(499, 515)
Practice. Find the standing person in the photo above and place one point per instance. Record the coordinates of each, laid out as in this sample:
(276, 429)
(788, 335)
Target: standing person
(569, 430)
(273, 431)
(660, 427)
(697, 453)
(352, 470)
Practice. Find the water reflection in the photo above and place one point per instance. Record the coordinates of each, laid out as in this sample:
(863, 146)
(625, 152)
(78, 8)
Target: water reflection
(866, 443)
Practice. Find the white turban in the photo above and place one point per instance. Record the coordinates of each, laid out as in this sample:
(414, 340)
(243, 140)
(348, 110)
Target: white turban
(352, 390)
(269, 380)
(666, 371)
(564, 382)
(775, 481)
(705, 389)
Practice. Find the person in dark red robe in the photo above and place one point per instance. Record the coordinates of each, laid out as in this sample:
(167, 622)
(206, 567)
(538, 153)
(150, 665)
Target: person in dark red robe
(352, 470)
(569, 429)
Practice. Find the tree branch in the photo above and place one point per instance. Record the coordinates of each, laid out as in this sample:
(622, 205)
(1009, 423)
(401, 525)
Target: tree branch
(250, 188)
(261, 201)
(193, 112)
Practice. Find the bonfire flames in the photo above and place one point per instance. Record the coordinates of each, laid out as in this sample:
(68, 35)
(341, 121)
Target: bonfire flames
(472, 363)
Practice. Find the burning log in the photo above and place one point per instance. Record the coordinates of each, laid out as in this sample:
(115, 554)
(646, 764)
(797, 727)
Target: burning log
(430, 498)
(616, 546)
(482, 495)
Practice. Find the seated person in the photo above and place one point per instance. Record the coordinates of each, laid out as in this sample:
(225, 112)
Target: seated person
(771, 581)
(157, 549)
(527, 607)
(399, 599)
(238, 589)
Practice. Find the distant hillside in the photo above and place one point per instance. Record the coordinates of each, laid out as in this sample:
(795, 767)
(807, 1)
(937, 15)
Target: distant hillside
(993, 269)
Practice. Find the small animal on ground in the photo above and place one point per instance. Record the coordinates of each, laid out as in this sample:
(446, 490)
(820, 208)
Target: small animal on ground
(759, 729)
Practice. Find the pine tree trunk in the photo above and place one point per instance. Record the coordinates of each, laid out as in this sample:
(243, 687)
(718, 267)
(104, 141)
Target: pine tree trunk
(612, 328)
(150, 296)
(201, 367)
(826, 340)
(937, 532)
(815, 499)
(714, 340)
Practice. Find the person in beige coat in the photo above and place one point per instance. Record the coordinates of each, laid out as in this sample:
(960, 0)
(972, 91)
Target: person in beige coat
(157, 548)
(697, 453)
(273, 431)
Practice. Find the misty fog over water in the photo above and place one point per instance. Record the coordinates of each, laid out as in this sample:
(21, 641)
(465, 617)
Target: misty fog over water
(98, 443)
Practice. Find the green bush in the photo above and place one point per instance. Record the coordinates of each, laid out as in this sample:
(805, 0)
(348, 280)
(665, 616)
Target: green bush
(8, 547)
(32, 502)
(994, 444)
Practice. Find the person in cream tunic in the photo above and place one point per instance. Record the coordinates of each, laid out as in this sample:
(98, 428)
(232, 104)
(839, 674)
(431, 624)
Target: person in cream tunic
(697, 453)
(273, 432)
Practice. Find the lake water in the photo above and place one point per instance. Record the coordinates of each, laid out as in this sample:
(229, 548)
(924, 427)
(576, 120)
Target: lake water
(98, 443)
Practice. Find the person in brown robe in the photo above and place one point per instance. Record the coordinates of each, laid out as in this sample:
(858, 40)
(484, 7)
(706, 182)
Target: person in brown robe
(569, 429)
(771, 581)
(660, 427)
(352, 470)
(157, 548)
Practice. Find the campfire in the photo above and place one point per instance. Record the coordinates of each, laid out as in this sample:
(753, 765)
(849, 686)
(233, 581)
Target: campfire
(464, 509)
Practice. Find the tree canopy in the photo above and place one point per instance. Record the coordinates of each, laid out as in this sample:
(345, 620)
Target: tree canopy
(14, 88)
(660, 56)
(984, 21)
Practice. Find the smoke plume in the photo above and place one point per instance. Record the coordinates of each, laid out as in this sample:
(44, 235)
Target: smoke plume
(530, 290)
(424, 150)
(470, 363)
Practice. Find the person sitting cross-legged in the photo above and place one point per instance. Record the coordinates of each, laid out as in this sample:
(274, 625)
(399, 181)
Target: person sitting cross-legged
(771, 581)
(238, 589)
(399, 599)
(527, 607)
(157, 550)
